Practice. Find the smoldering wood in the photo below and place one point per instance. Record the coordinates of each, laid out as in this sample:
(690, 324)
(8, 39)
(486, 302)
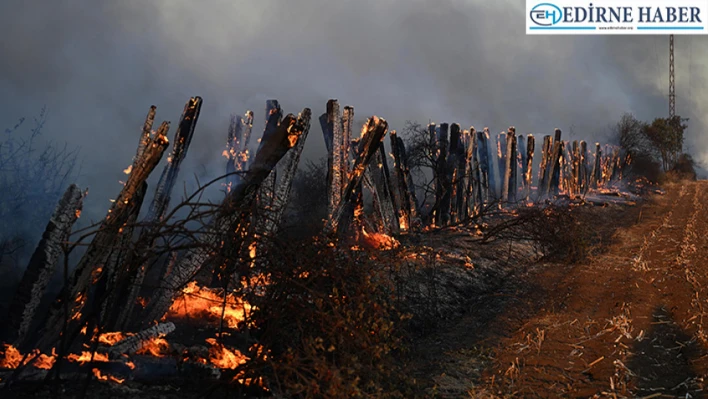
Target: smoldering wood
(134, 343)
(528, 176)
(236, 152)
(377, 174)
(334, 117)
(115, 270)
(401, 195)
(96, 253)
(501, 164)
(566, 177)
(22, 309)
(233, 210)
(128, 286)
(347, 123)
(486, 177)
(145, 135)
(373, 133)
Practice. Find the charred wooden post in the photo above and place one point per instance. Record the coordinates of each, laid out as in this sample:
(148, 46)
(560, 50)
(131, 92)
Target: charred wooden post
(521, 162)
(576, 167)
(128, 285)
(528, 176)
(596, 177)
(103, 240)
(486, 176)
(234, 209)
(41, 266)
(236, 151)
(264, 218)
(347, 123)
(134, 343)
(443, 185)
(383, 194)
(501, 164)
(566, 178)
(467, 201)
(372, 135)
(544, 167)
(556, 164)
(476, 176)
(583, 167)
(332, 129)
(509, 182)
(401, 195)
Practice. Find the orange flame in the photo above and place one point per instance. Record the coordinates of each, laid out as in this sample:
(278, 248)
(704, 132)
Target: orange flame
(106, 377)
(208, 304)
(157, 347)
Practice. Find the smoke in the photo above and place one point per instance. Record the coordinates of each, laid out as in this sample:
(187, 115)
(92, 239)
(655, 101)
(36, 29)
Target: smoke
(98, 66)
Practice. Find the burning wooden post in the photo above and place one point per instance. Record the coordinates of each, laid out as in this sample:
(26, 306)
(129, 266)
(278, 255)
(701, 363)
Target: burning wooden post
(408, 204)
(544, 167)
(131, 278)
(236, 151)
(566, 177)
(528, 175)
(556, 163)
(42, 265)
(99, 249)
(133, 343)
(501, 164)
(378, 173)
(487, 179)
(373, 133)
(234, 209)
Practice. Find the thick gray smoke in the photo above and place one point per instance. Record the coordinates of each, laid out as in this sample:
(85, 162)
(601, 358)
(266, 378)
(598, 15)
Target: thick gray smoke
(99, 65)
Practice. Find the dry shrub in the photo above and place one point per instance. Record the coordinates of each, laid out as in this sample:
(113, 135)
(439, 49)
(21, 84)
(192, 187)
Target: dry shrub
(329, 321)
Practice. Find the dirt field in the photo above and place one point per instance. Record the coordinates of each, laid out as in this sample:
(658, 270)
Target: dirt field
(628, 322)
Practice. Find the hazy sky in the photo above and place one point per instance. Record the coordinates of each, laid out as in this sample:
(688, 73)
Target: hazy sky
(98, 65)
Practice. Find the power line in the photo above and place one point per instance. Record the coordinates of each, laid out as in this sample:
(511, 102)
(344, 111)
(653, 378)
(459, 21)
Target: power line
(672, 83)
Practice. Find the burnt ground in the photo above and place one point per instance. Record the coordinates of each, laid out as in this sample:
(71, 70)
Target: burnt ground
(496, 320)
(625, 322)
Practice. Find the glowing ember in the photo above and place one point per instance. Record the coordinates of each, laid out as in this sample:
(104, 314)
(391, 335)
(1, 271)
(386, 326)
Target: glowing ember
(208, 304)
(110, 338)
(128, 170)
(11, 357)
(379, 241)
(106, 377)
(157, 347)
(86, 357)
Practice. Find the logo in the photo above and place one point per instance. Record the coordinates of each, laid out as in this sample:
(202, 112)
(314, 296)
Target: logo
(546, 14)
(616, 17)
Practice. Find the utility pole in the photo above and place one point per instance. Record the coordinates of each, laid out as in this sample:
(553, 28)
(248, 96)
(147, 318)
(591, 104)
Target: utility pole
(672, 83)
